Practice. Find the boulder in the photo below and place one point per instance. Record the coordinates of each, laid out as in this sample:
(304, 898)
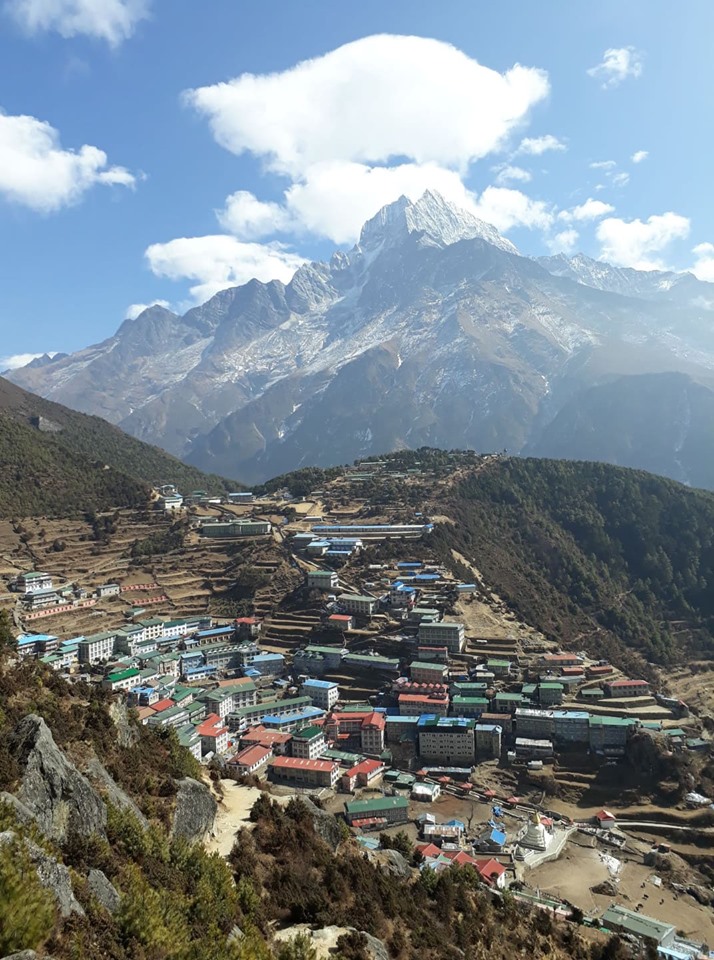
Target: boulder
(395, 863)
(195, 811)
(59, 797)
(112, 791)
(51, 874)
(25, 955)
(326, 826)
(103, 890)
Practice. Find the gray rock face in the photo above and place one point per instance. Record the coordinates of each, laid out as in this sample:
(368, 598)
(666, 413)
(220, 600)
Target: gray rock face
(112, 791)
(195, 811)
(376, 947)
(60, 798)
(51, 874)
(127, 734)
(103, 890)
(326, 826)
(23, 813)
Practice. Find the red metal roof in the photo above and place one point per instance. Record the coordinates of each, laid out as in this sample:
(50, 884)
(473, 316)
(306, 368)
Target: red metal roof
(300, 763)
(365, 766)
(375, 719)
(251, 755)
(628, 683)
(212, 726)
(164, 704)
(265, 737)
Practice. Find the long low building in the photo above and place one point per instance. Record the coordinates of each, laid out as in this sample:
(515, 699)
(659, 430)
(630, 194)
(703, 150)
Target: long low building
(373, 530)
(377, 811)
(304, 772)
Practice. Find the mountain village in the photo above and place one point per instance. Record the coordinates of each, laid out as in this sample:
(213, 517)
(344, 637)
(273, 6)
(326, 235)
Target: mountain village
(404, 698)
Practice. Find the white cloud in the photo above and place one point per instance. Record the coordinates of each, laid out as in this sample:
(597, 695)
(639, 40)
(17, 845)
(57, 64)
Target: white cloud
(110, 20)
(589, 210)
(217, 262)
(620, 179)
(639, 155)
(336, 198)
(618, 63)
(247, 217)
(603, 165)
(704, 263)
(16, 360)
(37, 172)
(638, 243)
(370, 101)
(134, 309)
(563, 242)
(511, 174)
(535, 146)
(506, 208)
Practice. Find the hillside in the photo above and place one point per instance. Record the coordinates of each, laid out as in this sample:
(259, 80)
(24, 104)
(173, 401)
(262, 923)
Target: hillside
(114, 870)
(614, 560)
(58, 462)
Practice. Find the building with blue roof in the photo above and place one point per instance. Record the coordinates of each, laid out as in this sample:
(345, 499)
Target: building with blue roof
(322, 693)
(292, 721)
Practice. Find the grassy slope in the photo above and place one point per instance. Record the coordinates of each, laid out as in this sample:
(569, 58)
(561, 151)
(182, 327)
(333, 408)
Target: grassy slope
(66, 471)
(612, 559)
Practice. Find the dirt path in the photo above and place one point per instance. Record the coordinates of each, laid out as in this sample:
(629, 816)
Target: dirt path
(233, 814)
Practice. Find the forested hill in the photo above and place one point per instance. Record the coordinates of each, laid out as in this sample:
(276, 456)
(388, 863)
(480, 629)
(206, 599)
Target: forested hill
(609, 558)
(56, 461)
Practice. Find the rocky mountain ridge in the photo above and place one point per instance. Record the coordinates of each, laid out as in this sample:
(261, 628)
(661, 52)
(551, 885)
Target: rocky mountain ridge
(432, 330)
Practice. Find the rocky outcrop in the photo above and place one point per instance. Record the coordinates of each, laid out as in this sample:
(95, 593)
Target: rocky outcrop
(60, 799)
(195, 811)
(112, 791)
(103, 890)
(395, 863)
(326, 826)
(51, 874)
(127, 732)
(25, 955)
(23, 813)
(325, 940)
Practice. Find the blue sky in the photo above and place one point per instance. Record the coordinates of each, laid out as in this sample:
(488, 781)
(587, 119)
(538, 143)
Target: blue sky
(132, 170)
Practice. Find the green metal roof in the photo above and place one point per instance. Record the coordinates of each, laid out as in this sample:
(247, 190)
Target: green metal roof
(367, 807)
(423, 665)
(122, 675)
(308, 733)
(609, 721)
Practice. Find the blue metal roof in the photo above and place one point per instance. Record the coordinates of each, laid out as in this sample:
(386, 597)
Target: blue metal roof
(498, 836)
(322, 684)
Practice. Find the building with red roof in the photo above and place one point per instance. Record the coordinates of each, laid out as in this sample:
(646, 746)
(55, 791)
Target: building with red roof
(214, 736)
(261, 736)
(251, 759)
(364, 774)
(415, 704)
(627, 688)
(305, 773)
(164, 704)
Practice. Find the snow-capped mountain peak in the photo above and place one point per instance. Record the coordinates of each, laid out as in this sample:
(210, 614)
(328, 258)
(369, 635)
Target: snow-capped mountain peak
(442, 222)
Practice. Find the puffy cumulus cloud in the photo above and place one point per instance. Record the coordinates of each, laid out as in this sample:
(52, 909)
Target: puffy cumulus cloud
(639, 155)
(247, 217)
(535, 146)
(563, 242)
(37, 172)
(371, 101)
(512, 174)
(638, 243)
(589, 210)
(15, 360)
(703, 267)
(216, 262)
(134, 309)
(617, 64)
(110, 20)
(506, 208)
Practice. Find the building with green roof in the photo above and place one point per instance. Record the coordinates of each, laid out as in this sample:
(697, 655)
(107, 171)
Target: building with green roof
(380, 809)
